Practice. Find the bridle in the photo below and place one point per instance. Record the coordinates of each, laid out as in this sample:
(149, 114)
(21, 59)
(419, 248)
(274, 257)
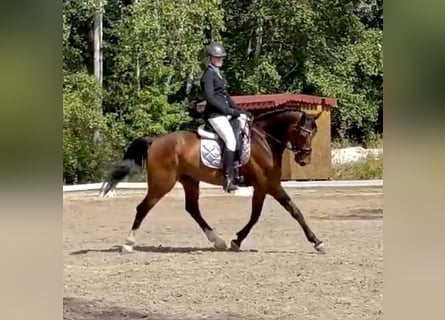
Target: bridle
(296, 150)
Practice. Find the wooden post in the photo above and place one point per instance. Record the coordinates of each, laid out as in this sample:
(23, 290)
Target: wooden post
(138, 67)
(98, 58)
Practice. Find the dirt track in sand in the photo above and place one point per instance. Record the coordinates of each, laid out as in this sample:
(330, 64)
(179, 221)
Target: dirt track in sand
(175, 274)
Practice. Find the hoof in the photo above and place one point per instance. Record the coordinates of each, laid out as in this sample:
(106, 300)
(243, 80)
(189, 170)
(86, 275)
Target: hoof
(220, 244)
(320, 247)
(234, 246)
(127, 248)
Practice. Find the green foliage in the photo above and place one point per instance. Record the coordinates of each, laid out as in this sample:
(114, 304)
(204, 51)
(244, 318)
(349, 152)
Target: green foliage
(156, 55)
(84, 160)
(154, 115)
(369, 168)
(321, 47)
(263, 80)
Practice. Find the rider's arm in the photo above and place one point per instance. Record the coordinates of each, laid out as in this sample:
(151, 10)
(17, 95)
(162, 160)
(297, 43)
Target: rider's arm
(237, 107)
(209, 93)
(233, 104)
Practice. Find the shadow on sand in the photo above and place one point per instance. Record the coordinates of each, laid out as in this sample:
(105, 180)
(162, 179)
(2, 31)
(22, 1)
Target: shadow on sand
(158, 249)
(355, 214)
(189, 250)
(89, 309)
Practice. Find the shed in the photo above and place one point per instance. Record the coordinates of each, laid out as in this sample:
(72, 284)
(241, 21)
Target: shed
(320, 167)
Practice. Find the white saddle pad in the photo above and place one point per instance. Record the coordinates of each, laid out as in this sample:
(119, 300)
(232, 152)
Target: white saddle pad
(211, 153)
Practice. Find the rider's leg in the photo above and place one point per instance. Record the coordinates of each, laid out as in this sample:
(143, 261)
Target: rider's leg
(242, 121)
(222, 126)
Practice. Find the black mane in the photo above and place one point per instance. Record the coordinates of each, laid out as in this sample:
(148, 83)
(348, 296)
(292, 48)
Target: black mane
(274, 112)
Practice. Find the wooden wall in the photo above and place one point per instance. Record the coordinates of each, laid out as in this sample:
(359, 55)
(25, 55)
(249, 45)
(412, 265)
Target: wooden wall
(320, 167)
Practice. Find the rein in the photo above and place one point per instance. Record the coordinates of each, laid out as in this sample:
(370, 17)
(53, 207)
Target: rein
(288, 146)
(296, 150)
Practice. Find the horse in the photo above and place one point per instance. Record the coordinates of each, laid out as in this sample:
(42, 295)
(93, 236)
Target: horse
(180, 157)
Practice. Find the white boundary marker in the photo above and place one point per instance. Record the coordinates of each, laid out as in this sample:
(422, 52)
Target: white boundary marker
(242, 192)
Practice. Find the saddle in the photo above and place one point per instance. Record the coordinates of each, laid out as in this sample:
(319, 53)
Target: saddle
(212, 147)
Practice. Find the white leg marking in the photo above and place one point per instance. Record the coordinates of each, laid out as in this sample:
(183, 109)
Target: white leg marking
(131, 238)
(220, 244)
(210, 235)
(111, 194)
(127, 247)
(321, 248)
(217, 241)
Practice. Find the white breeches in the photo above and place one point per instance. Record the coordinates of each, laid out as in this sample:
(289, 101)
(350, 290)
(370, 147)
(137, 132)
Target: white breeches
(223, 128)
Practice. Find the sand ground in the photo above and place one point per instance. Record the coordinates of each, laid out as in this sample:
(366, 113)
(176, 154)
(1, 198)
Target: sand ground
(174, 272)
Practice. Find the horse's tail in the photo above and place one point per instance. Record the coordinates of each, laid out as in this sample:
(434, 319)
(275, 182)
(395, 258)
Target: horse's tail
(133, 161)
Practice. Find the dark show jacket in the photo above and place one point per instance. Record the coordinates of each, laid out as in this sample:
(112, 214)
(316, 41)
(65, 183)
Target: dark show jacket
(214, 87)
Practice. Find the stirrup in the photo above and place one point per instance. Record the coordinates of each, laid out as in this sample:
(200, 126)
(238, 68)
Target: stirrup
(229, 184)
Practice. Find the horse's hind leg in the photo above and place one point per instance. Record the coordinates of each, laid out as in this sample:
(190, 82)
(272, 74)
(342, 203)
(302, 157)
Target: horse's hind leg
(156, 191)
(191, 189)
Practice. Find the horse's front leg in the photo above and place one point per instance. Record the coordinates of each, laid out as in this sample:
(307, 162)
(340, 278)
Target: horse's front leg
(283, 198)
(257, 207)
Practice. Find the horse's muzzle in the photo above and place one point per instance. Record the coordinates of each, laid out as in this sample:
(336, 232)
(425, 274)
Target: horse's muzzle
(302, 160)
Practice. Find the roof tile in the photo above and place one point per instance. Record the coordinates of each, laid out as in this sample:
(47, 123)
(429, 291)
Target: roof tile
(277, 100)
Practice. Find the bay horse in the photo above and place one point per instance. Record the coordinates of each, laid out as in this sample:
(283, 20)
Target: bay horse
(177, 157)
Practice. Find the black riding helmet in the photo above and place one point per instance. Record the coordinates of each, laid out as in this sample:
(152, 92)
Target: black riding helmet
(215, 50)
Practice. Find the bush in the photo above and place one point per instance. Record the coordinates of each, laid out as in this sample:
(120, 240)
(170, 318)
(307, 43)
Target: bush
(372, 141)
(152, 114)
(84, 159)
(368, 168)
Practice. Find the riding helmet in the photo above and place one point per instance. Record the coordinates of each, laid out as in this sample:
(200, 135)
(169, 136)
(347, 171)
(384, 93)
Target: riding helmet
(215, 50)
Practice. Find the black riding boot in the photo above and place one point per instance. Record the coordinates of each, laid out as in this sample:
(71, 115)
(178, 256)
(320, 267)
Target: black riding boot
(228, 167)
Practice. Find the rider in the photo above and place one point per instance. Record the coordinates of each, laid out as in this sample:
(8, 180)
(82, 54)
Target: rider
(219, 107)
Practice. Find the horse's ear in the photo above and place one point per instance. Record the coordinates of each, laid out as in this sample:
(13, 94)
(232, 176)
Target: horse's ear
(317, 115)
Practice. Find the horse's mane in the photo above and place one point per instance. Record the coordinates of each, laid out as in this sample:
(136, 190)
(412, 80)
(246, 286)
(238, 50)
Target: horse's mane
(268, 114)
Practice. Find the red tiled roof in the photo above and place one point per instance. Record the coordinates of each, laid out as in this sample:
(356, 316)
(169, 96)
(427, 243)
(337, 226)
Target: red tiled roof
(266, 101)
